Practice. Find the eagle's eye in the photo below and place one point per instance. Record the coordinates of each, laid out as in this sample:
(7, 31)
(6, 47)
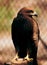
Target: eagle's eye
(29, 11)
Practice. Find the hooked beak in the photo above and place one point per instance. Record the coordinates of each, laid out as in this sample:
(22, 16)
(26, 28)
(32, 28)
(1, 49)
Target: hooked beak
(34, 14)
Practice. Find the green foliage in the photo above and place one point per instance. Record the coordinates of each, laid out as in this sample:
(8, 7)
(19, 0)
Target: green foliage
(38, 10)
(5, 18)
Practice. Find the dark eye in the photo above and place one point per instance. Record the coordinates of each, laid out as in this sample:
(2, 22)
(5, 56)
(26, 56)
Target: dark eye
(29, 11)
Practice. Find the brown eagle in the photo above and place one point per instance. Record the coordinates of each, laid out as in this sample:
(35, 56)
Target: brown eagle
(25, 34)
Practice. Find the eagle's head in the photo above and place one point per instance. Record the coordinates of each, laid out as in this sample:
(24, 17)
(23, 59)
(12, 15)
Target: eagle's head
(27, 11)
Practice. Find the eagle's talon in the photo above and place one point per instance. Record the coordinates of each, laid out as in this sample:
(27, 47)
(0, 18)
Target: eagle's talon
(16, 59)
(24, 59)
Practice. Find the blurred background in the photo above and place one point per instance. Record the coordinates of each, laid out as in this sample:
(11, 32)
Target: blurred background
(9, 10)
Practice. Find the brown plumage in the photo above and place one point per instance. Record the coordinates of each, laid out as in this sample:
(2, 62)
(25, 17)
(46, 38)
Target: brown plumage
(25, 34)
